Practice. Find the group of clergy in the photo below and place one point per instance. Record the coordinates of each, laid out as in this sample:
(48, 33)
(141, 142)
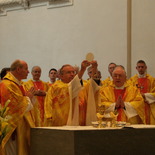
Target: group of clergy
(70, 100)
(73, 101)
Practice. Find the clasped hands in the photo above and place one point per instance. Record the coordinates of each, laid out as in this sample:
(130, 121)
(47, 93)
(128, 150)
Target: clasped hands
(40, 93)
(33, 92)
(120, 103)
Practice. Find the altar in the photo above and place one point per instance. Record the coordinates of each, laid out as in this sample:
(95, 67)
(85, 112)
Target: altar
(87, 140)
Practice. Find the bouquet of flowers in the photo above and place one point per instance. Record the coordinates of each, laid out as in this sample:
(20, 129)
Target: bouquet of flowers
(4, 120)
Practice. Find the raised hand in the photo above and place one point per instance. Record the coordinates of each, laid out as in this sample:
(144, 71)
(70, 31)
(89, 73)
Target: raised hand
(84, 65)
(94, 64)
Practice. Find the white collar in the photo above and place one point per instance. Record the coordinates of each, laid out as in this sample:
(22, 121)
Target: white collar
(142, 76)
(35, 80)
(122, 87)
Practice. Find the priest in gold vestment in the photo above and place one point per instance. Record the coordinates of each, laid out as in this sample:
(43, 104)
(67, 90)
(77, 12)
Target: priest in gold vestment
(17, 136)
(124, 98)
(146, 84)
(41, 88)
(62, 105)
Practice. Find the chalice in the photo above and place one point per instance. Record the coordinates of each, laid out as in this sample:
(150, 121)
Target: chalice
(100, 115)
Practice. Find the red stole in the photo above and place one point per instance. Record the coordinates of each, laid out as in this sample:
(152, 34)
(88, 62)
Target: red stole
(22, 90)
(119, 92)
(39, 85)
(143, 85)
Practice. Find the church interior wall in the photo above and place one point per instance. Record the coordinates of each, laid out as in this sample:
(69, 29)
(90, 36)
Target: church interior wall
(51, 38)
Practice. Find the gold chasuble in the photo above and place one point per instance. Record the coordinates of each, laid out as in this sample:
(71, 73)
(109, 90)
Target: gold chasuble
(62, 103)
(82, 107)
(88, 100)
(143, 85)
(57, 104)
(106, 82)
(134, 104)
(19, 125)
(146, 85)
(38, 109)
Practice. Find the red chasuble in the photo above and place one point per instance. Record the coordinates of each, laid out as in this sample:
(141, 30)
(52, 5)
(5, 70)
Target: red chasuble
(119, 92)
